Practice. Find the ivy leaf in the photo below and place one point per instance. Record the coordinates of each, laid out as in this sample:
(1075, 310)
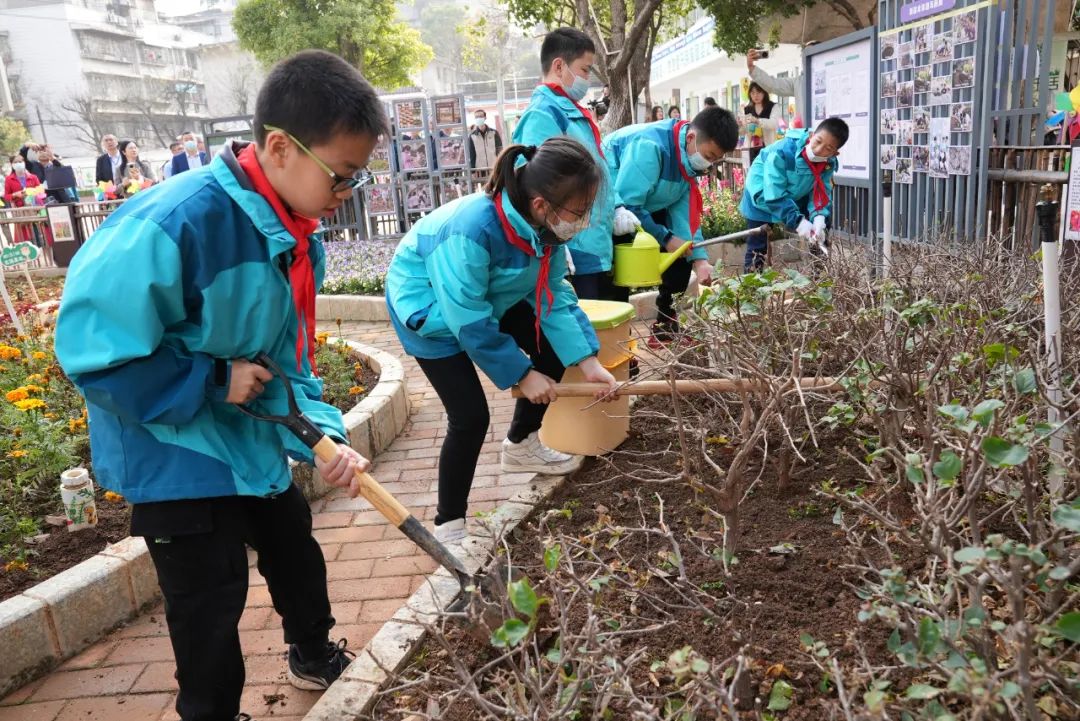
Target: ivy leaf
(955, 411)
(929, 636)
(970, 554)
(913, 470)
(921, 691)
(1024, 381)
(1002, 454)
(1068, 517)
(523, 597)
(948, 466)
(780, 696)
(510, 633)
(984, 412)
(1068, 626)
(551, 557)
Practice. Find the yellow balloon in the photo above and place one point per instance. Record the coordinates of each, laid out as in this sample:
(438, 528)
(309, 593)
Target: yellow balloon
(1074, 96)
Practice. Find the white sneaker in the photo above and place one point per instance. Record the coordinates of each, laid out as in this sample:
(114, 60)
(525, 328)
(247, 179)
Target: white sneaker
(532, 456)
(451, 532)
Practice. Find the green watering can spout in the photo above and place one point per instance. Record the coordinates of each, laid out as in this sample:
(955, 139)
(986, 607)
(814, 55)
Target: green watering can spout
(668, 258)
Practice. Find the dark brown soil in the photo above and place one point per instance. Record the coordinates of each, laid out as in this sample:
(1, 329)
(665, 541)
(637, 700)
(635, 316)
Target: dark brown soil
(64, 549)
(763, 606)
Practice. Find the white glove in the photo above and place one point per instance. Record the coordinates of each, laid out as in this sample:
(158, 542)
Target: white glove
(804, 229)
(625, 222)
(819, 227)
(570, 269)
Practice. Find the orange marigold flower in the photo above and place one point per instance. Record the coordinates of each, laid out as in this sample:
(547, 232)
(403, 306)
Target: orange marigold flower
(9, 353)
(12, 566)
(76, 424)
(113, 497)
(35, 378)
(50, 416)
(16, 454)
(31, 388)
(31, 404)
(356, 390)
(321, 338)
(38, 355)
(19, 394)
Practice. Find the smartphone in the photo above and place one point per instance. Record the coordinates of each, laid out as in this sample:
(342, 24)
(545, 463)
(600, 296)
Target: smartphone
(762, 54)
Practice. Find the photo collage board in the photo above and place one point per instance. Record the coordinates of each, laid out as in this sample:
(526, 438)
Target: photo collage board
(928, 76)
(424, 159)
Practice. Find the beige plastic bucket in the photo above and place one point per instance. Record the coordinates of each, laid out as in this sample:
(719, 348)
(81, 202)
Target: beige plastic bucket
(568, 426)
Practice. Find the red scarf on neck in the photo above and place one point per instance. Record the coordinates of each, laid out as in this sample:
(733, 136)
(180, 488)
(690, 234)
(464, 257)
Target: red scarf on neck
(301, 272)
(559, 90)
(821, 193)
(542, 287)
(697, 203)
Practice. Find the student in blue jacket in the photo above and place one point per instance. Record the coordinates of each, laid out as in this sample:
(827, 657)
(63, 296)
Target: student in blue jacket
(791, 183)
(566, 62)
(161, 310)
(655, 168)
(481, 281)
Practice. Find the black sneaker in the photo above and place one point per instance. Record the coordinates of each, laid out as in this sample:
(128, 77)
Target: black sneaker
(318, 674)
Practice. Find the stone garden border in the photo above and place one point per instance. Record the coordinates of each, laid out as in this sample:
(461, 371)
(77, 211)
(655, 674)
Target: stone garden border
(63, 615)
(399, 638)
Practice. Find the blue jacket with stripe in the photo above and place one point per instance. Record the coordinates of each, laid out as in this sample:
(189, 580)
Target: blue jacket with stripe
(455, 274)
(642, 162)
(549, 115)
(779, 179)
(179, 279)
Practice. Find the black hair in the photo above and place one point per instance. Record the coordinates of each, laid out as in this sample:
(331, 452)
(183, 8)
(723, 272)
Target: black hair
(719, 126)
(566, 43)
(710, 101)
(555, 171)
(755, 86)
(652, 113)
(836, 128)
(15, 157)
(315, 95)
(123, 145)
(480, 110)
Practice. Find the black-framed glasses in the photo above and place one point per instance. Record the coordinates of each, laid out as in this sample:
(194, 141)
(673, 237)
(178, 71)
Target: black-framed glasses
(341, 183)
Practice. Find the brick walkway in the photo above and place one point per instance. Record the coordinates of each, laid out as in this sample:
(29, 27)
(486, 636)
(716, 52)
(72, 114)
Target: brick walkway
(372, 569)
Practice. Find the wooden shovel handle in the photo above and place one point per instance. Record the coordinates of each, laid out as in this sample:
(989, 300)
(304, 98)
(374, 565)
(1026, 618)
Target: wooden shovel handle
(713, 385)
(370, 489)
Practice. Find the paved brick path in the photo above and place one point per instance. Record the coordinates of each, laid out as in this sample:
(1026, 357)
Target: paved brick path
(372, 569)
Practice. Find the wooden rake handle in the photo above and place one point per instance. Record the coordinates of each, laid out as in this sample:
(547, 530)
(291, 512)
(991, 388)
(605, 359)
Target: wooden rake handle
(709, 385)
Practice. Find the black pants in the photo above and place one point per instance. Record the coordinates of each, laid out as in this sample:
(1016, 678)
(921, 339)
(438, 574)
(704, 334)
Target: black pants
(467, 415)
(204, 578)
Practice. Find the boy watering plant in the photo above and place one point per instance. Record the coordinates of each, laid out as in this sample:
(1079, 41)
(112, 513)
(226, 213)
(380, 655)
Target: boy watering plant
(162, 308)
(791, 183)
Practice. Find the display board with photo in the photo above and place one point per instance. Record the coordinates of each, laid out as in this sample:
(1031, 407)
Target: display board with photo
(923, 75)
(959, 160)
(960, 118)
(409, 114)
(966, 27)
(379, 162)
(920, 120)
(939, 147)
(920, 159)
(448, 111)
(452, 187)
(419, 196)
(888, 85)
(903, 173)
(963, 73)
(888, 121)
(943, 48)
(905, 55)
(413, 155)
(452, 152)
(921, 40)
(905, 94)
(888, 157)
(888, 47)
(379, 199)
(941, 90)
(906, 133)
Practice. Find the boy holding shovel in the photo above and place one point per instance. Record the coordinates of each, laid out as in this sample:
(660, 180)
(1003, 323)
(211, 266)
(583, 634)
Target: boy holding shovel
(162, 308)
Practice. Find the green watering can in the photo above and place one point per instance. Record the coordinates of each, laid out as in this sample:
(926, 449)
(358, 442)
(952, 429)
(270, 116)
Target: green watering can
(639, 264)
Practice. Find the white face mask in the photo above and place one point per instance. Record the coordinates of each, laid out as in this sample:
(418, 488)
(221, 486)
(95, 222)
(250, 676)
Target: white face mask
(481, 122)
(699, 163)
(190, 145)
(566, 229)
(814, 158)
(18, 167)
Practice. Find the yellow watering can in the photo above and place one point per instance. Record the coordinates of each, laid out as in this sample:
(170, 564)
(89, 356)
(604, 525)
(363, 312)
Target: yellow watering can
(639, 264)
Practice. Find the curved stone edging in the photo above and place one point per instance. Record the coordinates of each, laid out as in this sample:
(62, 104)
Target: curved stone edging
(351, 307)
(63, 615)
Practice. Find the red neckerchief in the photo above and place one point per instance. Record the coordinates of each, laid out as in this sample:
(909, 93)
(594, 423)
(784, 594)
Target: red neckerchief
(301, 272)
(821, 193)
(697, 203)
(542, 288)
(559, 90)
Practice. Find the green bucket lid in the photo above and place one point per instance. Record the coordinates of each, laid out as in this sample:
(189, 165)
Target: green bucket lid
(606, 314)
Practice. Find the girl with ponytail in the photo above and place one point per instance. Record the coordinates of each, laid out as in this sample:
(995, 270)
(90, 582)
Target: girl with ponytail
(482, 281)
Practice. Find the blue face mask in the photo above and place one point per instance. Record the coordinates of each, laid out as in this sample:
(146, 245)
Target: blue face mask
(578, 89)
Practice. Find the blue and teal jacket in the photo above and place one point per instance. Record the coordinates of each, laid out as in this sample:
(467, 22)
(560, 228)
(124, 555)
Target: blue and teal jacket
(549, 115)
(643, 163)
(179, 279)
(779, 179)
(455, 274)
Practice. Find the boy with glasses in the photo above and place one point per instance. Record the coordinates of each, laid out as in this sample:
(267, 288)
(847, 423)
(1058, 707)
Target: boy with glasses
(162, 308)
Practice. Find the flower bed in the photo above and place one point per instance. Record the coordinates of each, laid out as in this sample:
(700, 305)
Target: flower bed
(356, 267)
(44, 419)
